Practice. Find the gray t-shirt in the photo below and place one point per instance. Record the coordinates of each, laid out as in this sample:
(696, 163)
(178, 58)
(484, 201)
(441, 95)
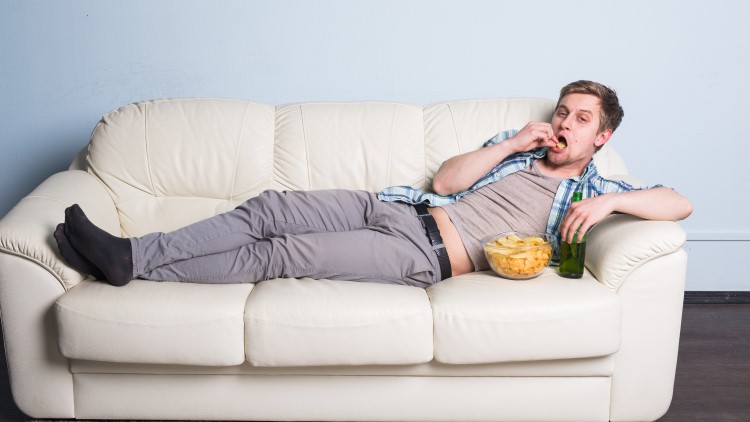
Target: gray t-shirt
(520, 202)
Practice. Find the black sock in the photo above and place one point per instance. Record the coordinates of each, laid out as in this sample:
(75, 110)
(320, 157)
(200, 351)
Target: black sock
(111, 254)
(73, 257)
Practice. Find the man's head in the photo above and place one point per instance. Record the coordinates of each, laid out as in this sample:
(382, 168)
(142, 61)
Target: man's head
(585, 116)
(610, 113)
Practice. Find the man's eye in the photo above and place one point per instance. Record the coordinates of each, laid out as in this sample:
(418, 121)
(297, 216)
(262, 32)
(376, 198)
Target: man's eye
(583, 119)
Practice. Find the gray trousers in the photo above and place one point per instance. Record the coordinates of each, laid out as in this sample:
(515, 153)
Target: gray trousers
(333, 234)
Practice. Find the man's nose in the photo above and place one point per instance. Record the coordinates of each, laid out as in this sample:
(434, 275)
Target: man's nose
(565, 124)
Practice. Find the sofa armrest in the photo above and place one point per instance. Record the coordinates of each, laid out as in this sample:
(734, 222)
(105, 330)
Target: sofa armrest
(27, 229)
(621, 243)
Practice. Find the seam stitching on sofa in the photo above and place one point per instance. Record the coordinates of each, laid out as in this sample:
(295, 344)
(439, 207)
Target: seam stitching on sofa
(237, 152)
(455, 128)
(125, 201)
(47, 197)
(148, 155)
(422, 315)
(38, 262)
(307, 152)
(249, 189)
(390, 147)
(142, 324)
(237, 148)
(453, 316)
(273, 147)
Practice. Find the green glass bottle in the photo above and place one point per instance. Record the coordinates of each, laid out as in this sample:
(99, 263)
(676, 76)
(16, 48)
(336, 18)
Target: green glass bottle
(573, 255)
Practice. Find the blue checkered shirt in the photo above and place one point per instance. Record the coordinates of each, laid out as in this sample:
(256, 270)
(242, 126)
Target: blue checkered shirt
(590, 183)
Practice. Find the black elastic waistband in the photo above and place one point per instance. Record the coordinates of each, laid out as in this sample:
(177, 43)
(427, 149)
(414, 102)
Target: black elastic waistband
(433, 234)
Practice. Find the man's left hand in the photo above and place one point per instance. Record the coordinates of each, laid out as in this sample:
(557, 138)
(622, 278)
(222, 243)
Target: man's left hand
(582, 215)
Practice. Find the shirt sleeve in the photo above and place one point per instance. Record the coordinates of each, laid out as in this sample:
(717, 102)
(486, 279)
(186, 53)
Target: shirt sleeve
(410, 195)
(613, 186)
(506, 134)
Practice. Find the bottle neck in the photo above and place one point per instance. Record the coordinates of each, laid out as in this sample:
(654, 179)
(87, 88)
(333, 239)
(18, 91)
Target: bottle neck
(577, 197)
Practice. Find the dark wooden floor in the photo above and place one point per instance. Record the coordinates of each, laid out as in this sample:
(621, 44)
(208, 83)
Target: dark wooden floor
(713, 369)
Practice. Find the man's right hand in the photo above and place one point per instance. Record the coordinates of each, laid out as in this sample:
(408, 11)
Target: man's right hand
(533, 135)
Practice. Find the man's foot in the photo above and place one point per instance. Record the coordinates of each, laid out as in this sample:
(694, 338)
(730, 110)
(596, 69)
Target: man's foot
(73, 257)
(112, 254)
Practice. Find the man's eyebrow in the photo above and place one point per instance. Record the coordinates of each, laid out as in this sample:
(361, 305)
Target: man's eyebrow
(581, 110)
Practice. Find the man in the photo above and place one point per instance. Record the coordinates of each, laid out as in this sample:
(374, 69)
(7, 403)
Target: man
(540, 168)
(520, 181)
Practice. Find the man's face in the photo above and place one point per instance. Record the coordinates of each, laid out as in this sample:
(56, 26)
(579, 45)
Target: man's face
(576, 122)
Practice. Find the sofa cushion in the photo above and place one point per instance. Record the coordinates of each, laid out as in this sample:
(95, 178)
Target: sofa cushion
(151, 322)
(482, 318)
(357, 145)
(168, 163)
(304, 322)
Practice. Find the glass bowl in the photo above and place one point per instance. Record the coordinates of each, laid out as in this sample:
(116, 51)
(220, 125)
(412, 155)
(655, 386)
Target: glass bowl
(518, 255)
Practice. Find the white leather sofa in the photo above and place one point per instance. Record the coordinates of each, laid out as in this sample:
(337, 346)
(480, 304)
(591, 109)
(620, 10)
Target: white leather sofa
(475, 347)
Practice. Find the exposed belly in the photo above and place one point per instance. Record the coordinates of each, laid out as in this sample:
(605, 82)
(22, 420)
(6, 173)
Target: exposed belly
(460, 261)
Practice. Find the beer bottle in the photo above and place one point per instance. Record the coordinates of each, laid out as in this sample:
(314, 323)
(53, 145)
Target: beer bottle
(573, 254)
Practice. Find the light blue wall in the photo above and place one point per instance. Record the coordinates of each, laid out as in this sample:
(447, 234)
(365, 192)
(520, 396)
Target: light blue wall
(682, 69)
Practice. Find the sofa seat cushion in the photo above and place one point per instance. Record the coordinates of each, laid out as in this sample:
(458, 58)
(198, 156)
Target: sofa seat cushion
(152, 322)
(482, 318)
(304, 322)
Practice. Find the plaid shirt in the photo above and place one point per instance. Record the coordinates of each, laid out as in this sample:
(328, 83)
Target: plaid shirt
(590, 183)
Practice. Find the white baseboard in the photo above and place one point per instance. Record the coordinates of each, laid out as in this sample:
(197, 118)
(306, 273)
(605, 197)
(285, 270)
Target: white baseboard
(718, 236)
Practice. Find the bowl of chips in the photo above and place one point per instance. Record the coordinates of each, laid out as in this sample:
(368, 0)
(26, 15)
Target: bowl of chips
(518, 255)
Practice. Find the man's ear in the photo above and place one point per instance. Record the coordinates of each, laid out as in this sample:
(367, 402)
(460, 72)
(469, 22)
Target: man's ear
(603, 137)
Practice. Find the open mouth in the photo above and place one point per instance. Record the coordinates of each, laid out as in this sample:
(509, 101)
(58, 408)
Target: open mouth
(561, 142)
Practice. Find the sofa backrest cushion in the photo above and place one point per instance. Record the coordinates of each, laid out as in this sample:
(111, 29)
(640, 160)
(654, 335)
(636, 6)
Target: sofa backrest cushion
(168, 163)
(368, 145)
